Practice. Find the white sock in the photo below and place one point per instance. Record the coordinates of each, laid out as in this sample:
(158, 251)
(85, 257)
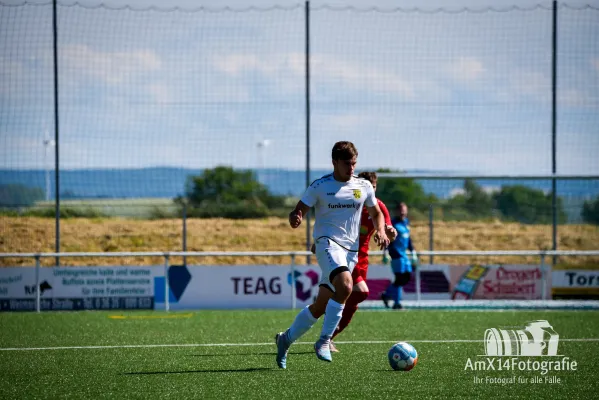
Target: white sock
(332, 316)
(302, 324)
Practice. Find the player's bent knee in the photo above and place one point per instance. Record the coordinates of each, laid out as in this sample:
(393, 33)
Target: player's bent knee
(343, 290)
(342, 281)
(359, 297)
(360, 286)
(338, 274)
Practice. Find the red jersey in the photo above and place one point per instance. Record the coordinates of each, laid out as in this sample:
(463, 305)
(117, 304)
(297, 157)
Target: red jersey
(367, 229)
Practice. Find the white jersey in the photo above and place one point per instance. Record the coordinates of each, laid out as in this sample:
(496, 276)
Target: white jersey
(338, 208)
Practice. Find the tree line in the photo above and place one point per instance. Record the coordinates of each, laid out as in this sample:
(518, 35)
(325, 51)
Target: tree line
(516, 203)
(228, 193)
(225, 192)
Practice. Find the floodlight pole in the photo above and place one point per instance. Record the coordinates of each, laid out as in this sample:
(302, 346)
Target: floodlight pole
(47, 142)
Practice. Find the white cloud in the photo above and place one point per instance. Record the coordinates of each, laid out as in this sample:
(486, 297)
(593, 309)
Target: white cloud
(17, 151)
(348, 122)
(535, 84)
(466, 69)
(111, 67)
(282, 70)
(352, 74)
(527, 85)
(234, 64)
(572, 98)
(23, 79)
(11, 72)
(161, 93)
(523, 85)
(225, 92)
(267, 64)
(324, 67)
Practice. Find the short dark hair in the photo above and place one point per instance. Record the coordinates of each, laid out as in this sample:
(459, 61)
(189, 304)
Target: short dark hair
(344, 151)
(369, 176)
(400, 204)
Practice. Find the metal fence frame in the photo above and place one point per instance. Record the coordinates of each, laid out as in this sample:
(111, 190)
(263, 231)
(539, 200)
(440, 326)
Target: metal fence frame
(293, 254)
(555, 7)
(554, 177)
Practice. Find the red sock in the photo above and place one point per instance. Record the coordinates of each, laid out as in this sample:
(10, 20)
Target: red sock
(351, 306)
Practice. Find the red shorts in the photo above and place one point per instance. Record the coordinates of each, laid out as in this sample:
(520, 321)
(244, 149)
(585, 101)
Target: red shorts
(360, 270)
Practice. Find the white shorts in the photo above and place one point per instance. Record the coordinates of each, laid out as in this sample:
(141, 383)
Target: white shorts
(331, 256)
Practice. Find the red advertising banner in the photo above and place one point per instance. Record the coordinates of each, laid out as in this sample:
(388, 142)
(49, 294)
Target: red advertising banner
(513, 282)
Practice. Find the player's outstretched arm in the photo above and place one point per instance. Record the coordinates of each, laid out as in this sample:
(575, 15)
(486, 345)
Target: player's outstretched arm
(296, 216)
(389, 228)
(379, 224)
(390, 231)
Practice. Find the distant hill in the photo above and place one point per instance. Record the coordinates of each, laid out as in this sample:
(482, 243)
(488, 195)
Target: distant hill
(145, 182)
(149, 182)
(163, 182)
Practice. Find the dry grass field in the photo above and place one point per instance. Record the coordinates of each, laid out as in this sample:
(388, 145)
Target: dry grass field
(30, 234)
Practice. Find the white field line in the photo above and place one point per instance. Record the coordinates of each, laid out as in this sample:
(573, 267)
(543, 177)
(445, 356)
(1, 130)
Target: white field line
(142, 346)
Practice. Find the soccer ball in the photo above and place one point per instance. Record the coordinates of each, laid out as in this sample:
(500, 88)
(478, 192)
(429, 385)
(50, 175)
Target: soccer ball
(402, 356)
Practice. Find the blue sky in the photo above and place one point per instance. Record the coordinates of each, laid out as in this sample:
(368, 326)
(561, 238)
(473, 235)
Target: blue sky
(460, 92)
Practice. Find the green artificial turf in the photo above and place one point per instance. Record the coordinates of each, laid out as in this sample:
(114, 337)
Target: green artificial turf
(231, 355)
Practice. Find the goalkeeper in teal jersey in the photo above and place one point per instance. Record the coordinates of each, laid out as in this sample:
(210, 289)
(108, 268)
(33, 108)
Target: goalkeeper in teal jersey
(401, 264)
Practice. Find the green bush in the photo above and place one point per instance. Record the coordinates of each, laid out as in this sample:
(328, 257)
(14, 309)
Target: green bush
(65, 212)
(590, 211)
(223, 192)
(163, 213)
(19, 195)
(529, 206)
(474, 203)
(394, 190)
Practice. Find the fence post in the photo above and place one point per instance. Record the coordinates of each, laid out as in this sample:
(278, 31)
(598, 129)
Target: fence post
(431, 242)
(37, 284)
(417, 267)
(293, 299)
(185, 231)
(554, 56)
(307, 70)
(56, 133)
(166, 285)
(543, 278)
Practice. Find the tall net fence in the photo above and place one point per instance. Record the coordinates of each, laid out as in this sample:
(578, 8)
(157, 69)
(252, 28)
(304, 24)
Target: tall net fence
(577, 90)
(435, 91)
(149, 98)
(505, 214)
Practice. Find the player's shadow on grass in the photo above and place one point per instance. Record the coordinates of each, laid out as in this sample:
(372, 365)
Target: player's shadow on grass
(198, 371)
(272, 353)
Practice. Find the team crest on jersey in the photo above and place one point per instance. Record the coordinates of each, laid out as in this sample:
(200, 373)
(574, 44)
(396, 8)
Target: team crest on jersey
(357, 193)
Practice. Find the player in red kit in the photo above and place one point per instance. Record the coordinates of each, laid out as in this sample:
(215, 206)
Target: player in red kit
(360, 290)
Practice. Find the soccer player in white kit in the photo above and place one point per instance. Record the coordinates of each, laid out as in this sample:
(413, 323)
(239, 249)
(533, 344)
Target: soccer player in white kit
(338, 199)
